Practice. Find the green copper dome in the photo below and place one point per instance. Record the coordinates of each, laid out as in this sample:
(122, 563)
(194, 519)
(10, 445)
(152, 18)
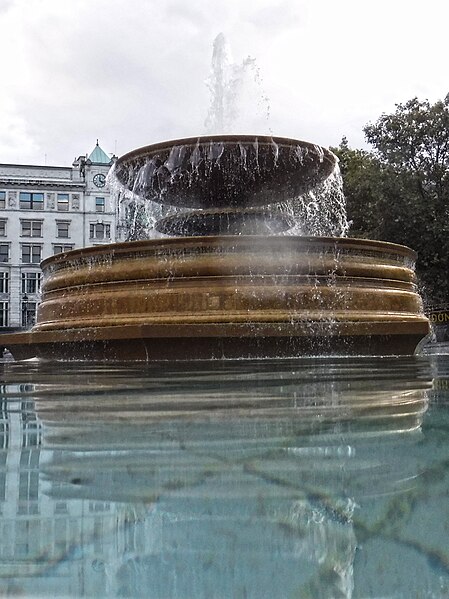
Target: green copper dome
(99, 156)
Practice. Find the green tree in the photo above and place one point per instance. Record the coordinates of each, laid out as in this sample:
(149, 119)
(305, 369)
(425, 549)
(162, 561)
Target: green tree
(399, 192)
(414, 141)
(361, 174)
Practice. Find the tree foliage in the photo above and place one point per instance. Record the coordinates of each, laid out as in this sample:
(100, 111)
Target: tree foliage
(399, 191)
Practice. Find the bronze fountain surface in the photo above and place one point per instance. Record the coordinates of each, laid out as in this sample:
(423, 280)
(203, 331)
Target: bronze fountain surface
(224, 171)
(232, 282)
(224, 185)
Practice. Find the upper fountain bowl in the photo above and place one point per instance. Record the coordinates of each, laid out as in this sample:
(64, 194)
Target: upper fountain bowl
(224, 171)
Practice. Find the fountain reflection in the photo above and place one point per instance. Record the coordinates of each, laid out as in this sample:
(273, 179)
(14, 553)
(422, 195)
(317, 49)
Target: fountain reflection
(231, 479)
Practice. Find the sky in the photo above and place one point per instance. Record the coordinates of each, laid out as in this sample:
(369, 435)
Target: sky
(135, 73)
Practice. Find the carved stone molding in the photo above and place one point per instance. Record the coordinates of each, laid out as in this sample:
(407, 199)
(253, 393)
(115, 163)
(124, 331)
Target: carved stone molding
(12, 199)
(51, 200)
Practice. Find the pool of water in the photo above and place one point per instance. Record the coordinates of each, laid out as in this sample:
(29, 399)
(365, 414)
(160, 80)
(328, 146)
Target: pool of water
(306, 478)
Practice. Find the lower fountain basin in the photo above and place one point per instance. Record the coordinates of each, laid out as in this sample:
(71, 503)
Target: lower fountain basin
(226, 297)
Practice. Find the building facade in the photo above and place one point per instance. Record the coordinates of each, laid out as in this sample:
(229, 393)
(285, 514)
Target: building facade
(45, 210)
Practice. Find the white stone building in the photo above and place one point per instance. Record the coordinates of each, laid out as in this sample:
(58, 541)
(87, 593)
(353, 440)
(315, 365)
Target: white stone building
(45, 210)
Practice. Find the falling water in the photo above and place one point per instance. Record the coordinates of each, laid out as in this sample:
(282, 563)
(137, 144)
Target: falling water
(147, 196)
(321, 211)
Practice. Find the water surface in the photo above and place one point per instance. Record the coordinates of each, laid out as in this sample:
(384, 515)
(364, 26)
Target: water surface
(290, 478)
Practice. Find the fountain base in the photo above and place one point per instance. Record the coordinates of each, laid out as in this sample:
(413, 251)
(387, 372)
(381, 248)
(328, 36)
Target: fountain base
(187, 342)
(226, 297)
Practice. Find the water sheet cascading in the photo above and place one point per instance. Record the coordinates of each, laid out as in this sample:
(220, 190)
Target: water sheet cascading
(230, 185)
(248, 259)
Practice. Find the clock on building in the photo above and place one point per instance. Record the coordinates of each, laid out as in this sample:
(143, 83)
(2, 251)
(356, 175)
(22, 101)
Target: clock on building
(99, 180)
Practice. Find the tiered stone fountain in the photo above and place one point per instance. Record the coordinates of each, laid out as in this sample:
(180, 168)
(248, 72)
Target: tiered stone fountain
(225, 279)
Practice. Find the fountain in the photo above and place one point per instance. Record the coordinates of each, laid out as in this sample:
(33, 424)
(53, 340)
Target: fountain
(233, 270)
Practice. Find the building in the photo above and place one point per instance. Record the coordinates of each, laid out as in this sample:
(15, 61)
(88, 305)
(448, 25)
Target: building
(37, 524)
(45, 210)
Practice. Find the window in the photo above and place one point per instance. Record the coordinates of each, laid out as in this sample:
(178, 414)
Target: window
(31, 201)
(31, 282)
(28, 312)
(4, 314)
(61, 507)
(2, 200)
(31, 254)
(4, 252)
(31, 228)
(62, 229)
(4, 282)
(99, 204)
(3, 227)
(100, 231)
(28, 486)
(63, 202)
(99, 506)
(58, 249)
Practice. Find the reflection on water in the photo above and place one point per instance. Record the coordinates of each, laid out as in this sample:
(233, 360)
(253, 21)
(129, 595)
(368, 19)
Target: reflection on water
(290, 478)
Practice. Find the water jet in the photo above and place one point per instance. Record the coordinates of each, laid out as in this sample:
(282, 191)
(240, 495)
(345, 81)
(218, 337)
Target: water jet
(236, 280)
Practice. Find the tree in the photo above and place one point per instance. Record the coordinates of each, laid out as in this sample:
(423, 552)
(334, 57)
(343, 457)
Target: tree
(415, 142)
(377, 203)
(361, 174)
(399, 192)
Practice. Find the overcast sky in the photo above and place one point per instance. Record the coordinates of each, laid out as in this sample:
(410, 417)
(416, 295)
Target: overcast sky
(133, 73)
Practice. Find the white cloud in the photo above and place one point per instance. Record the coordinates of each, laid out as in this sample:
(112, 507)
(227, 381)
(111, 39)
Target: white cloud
(133, 74)
(15, 138)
